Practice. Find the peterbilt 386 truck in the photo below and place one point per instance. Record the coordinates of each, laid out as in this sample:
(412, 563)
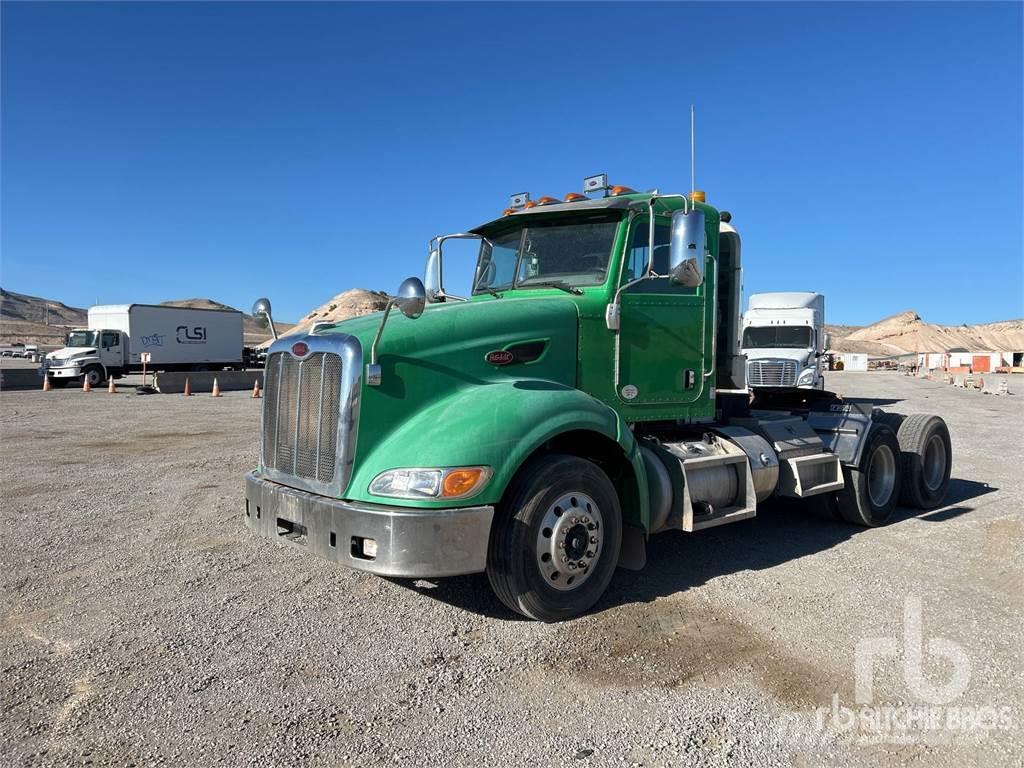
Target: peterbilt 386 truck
(588, 393)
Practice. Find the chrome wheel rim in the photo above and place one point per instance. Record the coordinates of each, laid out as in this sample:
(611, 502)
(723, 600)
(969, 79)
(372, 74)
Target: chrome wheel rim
(569, 541)
(934, 463)
(881, 476)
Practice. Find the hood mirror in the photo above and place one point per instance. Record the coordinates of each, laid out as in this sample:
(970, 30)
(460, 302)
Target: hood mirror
(411, 297)
(261, 312)
(410, 300)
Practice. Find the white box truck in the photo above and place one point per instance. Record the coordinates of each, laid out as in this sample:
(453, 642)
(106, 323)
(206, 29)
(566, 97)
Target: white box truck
(784, 340)
(175, 338)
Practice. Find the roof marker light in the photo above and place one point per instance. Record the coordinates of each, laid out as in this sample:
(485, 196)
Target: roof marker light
(574, 197)
(548, 200)
(530, 204)
(619, 189)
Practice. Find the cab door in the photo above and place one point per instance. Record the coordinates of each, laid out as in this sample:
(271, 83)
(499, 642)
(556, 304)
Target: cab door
(111, 349)
(664, 343)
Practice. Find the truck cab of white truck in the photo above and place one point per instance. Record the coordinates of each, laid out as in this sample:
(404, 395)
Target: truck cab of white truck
(91, 352)
(784, 340)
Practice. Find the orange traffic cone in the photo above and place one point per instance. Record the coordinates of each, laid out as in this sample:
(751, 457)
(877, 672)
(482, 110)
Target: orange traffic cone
(256, 390)
(112, 387)
(86, 387)
(188, 387)
(216, 388)
(47, 386)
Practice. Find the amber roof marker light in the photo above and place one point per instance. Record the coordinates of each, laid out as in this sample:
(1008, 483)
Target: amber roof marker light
(548, 200)
(575, 197)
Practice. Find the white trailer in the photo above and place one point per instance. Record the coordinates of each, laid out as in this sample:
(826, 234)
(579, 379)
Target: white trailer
(120, 336)
(784, 339)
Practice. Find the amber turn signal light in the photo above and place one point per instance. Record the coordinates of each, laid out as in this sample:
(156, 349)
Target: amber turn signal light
(462, 482)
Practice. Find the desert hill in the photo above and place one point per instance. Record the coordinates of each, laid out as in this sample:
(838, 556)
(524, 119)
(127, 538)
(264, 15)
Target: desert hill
(351, 303)
(907, 332)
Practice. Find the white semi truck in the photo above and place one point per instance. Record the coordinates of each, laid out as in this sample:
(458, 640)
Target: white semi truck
(784, 340)
(175, 338)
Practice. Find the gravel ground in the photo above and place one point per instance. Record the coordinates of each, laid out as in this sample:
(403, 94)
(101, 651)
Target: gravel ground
(142, 624)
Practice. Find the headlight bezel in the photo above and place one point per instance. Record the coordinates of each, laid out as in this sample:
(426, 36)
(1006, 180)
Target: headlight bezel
(807, 376)
(396, 483)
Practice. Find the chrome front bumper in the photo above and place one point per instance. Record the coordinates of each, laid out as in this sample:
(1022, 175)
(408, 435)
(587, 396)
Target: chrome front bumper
(411, 543)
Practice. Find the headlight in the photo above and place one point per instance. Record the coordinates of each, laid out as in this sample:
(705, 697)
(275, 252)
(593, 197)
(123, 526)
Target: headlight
(444, 483)
(807, 377)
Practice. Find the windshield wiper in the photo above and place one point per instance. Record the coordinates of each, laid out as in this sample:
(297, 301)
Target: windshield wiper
(491, 291)
(554, 284)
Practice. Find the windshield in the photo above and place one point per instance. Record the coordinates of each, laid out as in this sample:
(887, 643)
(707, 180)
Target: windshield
(81, 339)
(572, 253)
(778, 336)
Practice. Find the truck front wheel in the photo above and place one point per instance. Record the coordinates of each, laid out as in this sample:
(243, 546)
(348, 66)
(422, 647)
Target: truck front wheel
(94, 374)
(555, 539)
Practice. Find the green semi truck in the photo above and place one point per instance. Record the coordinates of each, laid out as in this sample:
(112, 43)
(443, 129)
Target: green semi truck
(588, 393)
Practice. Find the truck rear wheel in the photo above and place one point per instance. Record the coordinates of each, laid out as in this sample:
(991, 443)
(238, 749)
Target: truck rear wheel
(926, 460)
(873, 486)
(555, 539)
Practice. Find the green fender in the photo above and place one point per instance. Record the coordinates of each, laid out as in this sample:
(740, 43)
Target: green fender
(499, 424)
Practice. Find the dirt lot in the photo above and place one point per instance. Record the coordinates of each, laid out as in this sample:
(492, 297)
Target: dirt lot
(142, 624)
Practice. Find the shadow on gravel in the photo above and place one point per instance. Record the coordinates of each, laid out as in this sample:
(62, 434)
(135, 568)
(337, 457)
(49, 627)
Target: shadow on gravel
(677, 561)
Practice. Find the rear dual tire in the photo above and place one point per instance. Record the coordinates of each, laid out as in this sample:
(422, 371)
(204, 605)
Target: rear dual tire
(926, 457)
(872, 488)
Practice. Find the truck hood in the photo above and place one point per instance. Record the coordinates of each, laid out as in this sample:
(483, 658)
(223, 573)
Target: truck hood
(69, 352)
(803, 357)
(451, 340)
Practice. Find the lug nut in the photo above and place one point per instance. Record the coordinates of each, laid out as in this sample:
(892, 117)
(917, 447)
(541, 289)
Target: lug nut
(589, 553)
(593, 539)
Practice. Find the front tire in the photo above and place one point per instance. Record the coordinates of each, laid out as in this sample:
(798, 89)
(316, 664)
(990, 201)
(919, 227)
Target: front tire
(872, 488)
(94, 374)
(555, 539)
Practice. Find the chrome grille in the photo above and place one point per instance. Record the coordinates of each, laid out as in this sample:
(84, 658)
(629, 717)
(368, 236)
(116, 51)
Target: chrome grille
(771, 373)
(300, 415)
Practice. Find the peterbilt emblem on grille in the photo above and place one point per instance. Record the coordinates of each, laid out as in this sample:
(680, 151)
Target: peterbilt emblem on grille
(500, 357)
(300, 349)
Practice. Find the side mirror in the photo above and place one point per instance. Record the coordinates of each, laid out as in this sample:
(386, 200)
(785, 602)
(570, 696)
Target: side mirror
(432, 277)
(261, 311)
(689, 244)
(411, 297)
(826, 342)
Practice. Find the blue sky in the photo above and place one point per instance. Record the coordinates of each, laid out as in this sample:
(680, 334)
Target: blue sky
(869, 151)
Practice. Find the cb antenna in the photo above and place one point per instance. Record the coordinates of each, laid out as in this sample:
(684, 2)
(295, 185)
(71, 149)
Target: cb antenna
(693, 170)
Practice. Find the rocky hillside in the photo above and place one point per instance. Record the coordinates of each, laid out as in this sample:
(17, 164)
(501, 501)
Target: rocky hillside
(346, 304)
(907, 332)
